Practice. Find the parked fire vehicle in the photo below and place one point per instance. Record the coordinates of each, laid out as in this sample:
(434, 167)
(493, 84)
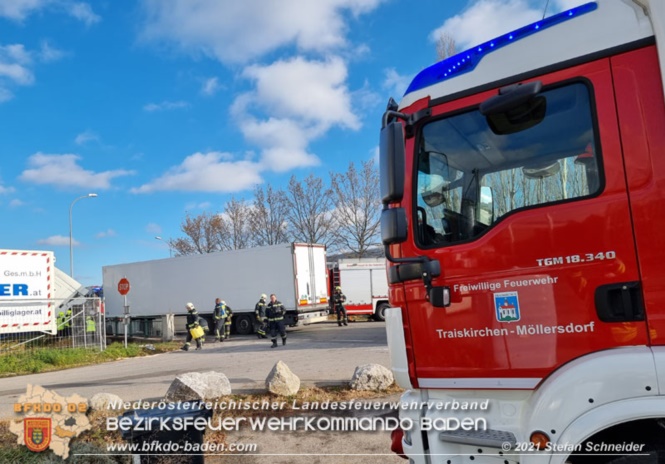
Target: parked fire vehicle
(523, 184)
(363, 282)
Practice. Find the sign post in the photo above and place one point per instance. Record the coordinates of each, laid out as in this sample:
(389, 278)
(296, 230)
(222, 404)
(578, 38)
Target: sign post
(123, 289)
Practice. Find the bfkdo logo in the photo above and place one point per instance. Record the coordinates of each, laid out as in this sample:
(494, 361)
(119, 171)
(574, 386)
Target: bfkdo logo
(37, 433)
(47, 420)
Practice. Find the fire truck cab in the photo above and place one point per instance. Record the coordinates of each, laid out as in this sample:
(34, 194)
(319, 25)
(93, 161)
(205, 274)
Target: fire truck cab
(523, 184)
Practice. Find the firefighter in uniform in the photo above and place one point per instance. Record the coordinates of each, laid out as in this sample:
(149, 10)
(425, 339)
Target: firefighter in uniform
(219, 317)
(192, 323)
(61, 323)
(275, 312)
(261, 319)
(90, 328)
(68, 323)
(227, 323)
(339, 298)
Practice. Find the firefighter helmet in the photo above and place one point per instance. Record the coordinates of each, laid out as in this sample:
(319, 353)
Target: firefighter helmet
(190, 306)
(264, 296)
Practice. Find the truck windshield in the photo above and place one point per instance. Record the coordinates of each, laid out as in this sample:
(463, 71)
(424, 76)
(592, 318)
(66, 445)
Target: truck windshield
(469, 177)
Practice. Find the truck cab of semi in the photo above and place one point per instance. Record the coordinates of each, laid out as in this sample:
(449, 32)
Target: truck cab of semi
(523, 184)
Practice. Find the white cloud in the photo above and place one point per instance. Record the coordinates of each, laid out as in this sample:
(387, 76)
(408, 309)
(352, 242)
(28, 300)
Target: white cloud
(561, 5)
(5, 95)
(63, 171)
(206, 172)
(48, 53)
(16, 63)
(106, 233)
(85, 137)
(203, 206)
(485, 20)
(4, 190)
(153, 228)
(83, 12)
(165, 105)
(15, 52)
(328, 101)
(283, 141)
(367, 99)
(17, 73)
(57, 240)
(286, 125)
(210, 86)
(18, 10)
(395, 83)
(15, 203)
(242, 31)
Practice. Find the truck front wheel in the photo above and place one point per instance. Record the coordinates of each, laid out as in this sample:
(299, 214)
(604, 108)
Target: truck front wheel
(244, 325)
(380, 313)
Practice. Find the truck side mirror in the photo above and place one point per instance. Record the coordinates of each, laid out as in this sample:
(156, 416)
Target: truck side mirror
(391, 163)
(393, 226)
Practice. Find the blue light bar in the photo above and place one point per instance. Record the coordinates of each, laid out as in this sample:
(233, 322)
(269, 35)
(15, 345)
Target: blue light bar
(466, 61)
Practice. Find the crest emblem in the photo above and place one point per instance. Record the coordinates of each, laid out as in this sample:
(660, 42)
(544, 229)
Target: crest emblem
(37, 433)
(507, 307)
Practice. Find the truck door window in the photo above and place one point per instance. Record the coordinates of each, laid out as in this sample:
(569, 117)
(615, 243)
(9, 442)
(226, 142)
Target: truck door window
(460, 156)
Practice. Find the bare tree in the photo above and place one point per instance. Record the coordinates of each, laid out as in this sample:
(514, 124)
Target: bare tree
(309, 211)
(267, 221)
(201, 235)
(235, 231)
(357, 207)
(445, 46)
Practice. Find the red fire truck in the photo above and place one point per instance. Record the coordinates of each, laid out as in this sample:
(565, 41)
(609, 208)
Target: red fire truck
(523, 184)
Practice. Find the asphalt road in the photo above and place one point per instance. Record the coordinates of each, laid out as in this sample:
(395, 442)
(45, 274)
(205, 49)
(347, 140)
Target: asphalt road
(320, 354)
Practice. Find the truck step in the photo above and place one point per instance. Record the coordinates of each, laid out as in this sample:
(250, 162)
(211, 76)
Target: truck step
(489, 438)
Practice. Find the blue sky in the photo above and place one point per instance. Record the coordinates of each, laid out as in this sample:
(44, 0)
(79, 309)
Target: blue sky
(164, 108)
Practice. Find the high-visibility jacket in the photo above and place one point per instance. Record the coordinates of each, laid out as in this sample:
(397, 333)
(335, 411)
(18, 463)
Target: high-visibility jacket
(229, 313)
(219, 312)
(90, 325)
(61, 320)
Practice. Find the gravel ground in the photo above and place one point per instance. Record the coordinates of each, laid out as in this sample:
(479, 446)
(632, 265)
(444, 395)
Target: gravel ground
(315, 447)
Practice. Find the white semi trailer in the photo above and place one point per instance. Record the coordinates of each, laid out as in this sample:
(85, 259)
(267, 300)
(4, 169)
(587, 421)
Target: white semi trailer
(294, 272)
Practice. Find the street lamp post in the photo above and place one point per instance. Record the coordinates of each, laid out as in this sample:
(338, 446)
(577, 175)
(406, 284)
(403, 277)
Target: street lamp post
(167, 244)
(71, 250)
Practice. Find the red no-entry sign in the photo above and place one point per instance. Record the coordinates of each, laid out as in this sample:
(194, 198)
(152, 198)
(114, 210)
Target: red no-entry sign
(123, 286)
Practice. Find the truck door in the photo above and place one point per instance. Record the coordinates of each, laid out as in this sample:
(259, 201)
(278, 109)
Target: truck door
(526, 208)
(641, 111)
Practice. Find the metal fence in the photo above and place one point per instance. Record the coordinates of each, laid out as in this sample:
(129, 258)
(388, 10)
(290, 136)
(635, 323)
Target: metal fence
(80, 324)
